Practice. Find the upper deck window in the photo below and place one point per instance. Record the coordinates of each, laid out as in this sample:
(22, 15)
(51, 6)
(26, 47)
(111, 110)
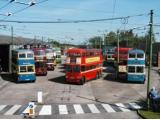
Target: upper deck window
(29, 55)
(40, 52)
(74, 55)
(40, 64)
(22, 55)
(49, 51)
(132, 55)
(140, 55)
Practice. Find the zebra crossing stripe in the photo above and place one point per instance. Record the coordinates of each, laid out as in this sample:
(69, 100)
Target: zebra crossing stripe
(78, 109)
(13, 110)
(108, 108)
(63, 109)
(122, 107)
(93, 108)
(46, 110)
(136, 106)
(2, 107)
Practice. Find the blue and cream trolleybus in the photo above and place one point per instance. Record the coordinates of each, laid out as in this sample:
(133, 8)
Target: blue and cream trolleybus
(23, 65)
(136, 66)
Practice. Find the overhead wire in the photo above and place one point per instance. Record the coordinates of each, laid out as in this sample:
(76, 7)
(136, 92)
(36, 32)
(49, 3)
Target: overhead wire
(71, 21)
(5, 5)
(30, 4)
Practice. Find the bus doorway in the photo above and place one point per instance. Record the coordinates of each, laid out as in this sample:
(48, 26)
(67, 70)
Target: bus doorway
(4, 57)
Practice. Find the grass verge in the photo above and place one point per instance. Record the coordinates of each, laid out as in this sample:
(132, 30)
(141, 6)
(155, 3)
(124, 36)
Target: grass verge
(149, 114)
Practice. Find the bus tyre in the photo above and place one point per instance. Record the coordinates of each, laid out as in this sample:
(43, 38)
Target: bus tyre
(82, 81)
(143, 82)
(100, 74)
(97, 76)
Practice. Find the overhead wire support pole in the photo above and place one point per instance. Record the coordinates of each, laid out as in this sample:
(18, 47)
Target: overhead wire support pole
(117, 55)
(150, 58)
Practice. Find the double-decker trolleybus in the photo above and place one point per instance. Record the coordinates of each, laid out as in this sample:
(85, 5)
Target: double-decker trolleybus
(122, 65)
(40, 61)
(51, 60)
(108, 53)
(23, 65)
(83, 65)
(136, 66)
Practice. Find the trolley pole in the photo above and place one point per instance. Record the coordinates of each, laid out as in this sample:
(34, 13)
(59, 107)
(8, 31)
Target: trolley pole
(150, 58)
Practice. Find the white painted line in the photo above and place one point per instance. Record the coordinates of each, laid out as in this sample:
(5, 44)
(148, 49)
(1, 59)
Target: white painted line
(63, 109)
(46, 110)
(122, 107)
(12, 110)
(2, 107)
(136, 106)
(108, 108)
(93, 108)
(27, 109)
(78, 109)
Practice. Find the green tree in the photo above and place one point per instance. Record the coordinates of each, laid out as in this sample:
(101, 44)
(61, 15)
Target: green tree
(96, 42)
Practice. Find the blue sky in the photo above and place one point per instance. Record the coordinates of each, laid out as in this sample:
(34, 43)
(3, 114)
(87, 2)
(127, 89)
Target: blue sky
(53, 10)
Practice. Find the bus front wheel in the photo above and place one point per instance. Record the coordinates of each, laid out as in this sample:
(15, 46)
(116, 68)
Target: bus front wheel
(82, 81)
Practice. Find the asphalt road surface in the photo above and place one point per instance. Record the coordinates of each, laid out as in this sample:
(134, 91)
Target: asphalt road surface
(102, 98)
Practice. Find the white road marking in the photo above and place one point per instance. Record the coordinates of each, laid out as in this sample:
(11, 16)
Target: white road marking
(78, 109)
(12, 110)
(134, 105)
(27, 109)
(122, 107)
(93, 108)
(46, 110)
(63, 109)
(108, 108)
(2, 107)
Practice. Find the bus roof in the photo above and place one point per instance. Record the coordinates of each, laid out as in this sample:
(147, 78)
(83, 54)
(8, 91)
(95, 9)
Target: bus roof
(37, 49)
(123, 49)
(80, 50)
(23, 50)
(136, 51)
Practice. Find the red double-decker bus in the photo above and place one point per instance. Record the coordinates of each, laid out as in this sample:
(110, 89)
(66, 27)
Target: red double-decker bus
(40, 61)
(83, 65)
(122, 65)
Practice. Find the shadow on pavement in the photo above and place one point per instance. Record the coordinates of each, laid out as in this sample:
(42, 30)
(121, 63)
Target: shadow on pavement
(109, 70)
(8, 77)
(112, 77)
(60, 79)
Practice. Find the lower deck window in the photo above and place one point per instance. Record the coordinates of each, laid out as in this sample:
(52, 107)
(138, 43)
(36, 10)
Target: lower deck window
(30, 68)
(68, 68)
(131, 69)
(26, 69)
(140, 69)
(76, 69)
(23, 69)
(135, 69)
